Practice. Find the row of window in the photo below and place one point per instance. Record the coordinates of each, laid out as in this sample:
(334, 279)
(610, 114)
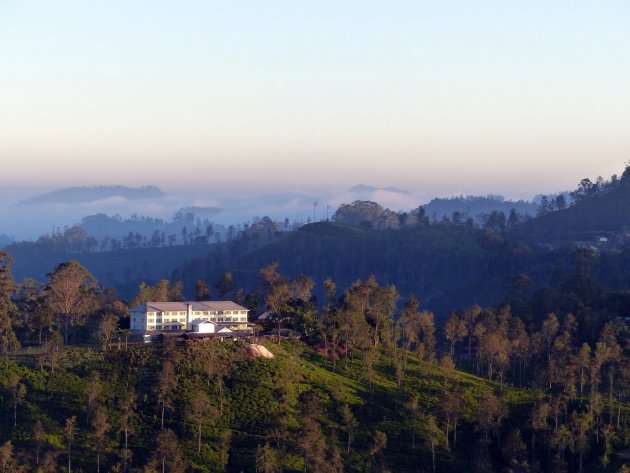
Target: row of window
(152, 320)
(220, 312)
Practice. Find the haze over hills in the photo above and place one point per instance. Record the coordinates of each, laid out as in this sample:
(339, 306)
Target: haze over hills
(28, 218)
(76, 195)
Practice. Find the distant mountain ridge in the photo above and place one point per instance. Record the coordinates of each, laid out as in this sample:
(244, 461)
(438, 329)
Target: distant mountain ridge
(365, 189)
(76, 195)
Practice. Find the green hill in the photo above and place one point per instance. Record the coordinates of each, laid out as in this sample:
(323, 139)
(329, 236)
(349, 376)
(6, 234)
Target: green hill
(251, 403)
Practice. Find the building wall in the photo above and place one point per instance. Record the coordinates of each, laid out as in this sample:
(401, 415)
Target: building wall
(204, 328)
(180, 320)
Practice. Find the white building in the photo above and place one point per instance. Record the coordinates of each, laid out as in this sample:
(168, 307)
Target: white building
(179, 316)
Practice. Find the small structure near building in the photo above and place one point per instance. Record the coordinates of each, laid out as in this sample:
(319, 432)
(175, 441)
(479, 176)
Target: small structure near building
(203, 326)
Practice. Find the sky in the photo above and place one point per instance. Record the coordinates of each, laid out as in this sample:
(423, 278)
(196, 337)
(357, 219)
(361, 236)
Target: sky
(437, 97)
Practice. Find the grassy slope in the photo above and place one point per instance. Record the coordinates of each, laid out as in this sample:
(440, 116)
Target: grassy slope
(252, 402)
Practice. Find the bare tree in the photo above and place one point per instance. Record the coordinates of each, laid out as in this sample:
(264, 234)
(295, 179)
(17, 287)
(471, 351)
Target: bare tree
(101, 427)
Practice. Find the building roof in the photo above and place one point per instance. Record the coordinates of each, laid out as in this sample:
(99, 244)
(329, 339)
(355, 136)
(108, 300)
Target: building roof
(183, 306)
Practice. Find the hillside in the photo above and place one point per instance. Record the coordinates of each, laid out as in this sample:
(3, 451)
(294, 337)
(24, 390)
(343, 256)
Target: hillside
(355, 412)
(441, 264)
(123, 269)
(603, 212)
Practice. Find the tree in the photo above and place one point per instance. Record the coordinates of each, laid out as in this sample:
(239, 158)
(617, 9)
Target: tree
(409, 323)
(101, 427)
(49, 465)
(126, 422)
(513, 218)
(38, 437)
(277, 300)
(580, 425)
(71, 293)
(168, 453)
(93, 391)
(17, 391)
(427, 342)
(379, 442)
(70, 430)
(8, 463)
(470, 315)
(514, 451)
(176, 292)
(201, 411)
(201, 290)
(451, 407)
(225, 286)
(106, 329)
(489, 413)
(454, 332)
(331, 292)
(270, 276)
(366, 214)
(165, 386)
(381, 309)
(434, 435)
(349, 423)
(267, 459)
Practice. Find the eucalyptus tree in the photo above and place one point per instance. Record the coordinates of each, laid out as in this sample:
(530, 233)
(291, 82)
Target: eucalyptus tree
(101, 426)
(72, 293)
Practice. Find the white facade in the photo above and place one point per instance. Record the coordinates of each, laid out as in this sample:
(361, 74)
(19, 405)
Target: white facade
(203, 326)
(176, 316)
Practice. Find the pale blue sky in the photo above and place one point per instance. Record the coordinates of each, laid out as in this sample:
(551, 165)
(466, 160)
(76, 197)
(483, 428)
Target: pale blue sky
(443, 97)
